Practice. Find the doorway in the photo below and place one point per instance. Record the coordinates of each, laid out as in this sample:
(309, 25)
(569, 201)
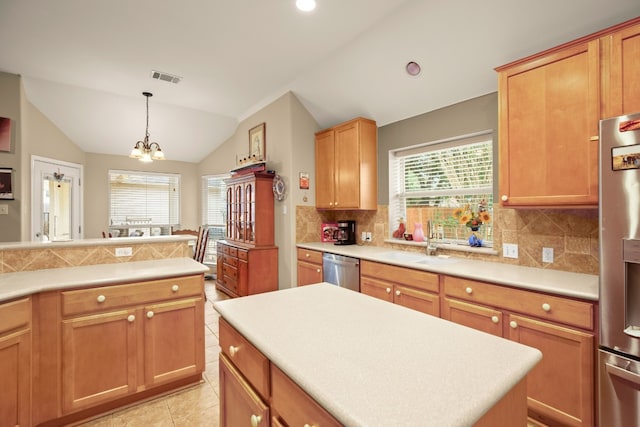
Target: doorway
(56, 200)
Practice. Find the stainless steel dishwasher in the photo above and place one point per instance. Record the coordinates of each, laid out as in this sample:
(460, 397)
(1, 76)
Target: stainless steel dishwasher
(342, 271)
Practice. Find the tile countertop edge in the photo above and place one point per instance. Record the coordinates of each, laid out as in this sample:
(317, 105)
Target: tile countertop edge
(564, 283)
(346, 388)
(16, 285)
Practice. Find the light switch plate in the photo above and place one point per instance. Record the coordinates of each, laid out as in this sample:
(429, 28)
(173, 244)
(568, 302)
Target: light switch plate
(547, 255)
(124, 252)
(510, 250)
(4, 209)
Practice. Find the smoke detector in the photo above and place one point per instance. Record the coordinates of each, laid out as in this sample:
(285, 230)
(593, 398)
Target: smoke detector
(165, 77)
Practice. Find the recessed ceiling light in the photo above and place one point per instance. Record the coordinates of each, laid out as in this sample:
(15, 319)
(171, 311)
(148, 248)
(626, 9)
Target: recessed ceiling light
(413, 68)
(306, 5)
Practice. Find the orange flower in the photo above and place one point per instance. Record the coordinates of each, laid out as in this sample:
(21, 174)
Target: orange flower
(484, 216)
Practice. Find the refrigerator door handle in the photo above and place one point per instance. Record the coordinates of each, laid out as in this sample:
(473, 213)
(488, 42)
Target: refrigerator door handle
(622, 373)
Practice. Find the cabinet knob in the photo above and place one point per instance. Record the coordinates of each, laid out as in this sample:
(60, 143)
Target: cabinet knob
(504, 198)
(101, 298)
(255, 420)
(318, 270)
(495, 319)
(397, 293)
(513, 324)
(131, 318)
(469, 290)
(175, 288)
(149, 314)
(309, 425)
(233, 350)
(307, 255)
(388, 290)
(546, 307)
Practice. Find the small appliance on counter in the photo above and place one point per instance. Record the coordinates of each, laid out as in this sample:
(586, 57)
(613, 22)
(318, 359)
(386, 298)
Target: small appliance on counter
(346, 234)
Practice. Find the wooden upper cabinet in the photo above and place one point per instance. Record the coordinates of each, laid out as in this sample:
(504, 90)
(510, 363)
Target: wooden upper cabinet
(347, 166)
(621, 81)
(549, 108)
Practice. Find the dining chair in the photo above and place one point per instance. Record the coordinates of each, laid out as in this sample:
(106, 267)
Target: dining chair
(105, 235)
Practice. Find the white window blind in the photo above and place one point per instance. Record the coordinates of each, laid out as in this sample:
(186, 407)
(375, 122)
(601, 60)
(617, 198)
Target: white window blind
(428, 182)
(144, 197)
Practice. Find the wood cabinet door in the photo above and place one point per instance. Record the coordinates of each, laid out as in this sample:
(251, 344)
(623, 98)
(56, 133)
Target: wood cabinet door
(309, 273)
(347, 169)
(376, 288)
(472, 315)
(560, 388)
(240, 405)
(98, 358)
(416, 299)
(325, 157)
(173, 340)
(549, 115)
(624, 66)
(15, 371)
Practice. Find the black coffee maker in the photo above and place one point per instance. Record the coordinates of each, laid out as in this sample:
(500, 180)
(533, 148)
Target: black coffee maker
(346, 234)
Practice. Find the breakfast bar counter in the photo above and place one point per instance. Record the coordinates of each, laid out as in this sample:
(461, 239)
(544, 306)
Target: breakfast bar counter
(370, 363)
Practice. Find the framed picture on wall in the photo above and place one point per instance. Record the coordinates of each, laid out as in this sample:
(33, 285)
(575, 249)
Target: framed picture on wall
(258, 143)
(5, 134)
(6, 184)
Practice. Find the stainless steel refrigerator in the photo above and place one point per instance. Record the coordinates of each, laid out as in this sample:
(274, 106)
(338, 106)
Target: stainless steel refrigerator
(619, 350)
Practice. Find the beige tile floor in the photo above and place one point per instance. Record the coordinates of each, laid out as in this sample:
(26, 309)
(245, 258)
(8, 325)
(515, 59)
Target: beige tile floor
(192, 407)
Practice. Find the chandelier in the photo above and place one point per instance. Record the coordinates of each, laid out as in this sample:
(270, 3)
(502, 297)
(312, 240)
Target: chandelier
(146, 151)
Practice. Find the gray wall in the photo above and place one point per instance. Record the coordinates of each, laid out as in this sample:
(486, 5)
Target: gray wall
(475, 115)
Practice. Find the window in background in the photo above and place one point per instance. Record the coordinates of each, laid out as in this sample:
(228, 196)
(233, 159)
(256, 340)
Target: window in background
(143, 203)
(428, 182)
(214, 211)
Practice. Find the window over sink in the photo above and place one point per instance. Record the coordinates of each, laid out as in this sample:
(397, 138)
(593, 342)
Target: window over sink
(428, 182)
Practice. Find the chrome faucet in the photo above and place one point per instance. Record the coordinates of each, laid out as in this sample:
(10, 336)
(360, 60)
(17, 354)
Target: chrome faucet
(431, 248)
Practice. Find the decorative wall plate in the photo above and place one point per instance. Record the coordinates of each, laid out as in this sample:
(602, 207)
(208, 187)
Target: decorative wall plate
(278, 187)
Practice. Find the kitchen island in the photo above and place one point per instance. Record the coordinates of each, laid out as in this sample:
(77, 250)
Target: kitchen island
(369, 363)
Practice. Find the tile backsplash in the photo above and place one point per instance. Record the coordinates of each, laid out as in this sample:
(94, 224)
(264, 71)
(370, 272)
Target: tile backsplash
(572, 234)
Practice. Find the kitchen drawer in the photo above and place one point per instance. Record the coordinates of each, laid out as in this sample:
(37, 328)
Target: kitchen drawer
(231, 284)
(242, 254)
(108, 297)
(400, 275)
(230, 260)
(225, 248)
(15, 315)
(230, 271)
(249, 360)
(295, 406)
(233, 251)
(307, 255)
(558, 309)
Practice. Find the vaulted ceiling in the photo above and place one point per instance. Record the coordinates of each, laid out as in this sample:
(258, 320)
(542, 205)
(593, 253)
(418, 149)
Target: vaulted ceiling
(86, 63)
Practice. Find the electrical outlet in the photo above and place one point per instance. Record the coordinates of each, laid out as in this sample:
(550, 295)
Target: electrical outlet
(364, 236)
(510, 250)
(547, 255)
(124, 252)
(368, 236)
(4, 209)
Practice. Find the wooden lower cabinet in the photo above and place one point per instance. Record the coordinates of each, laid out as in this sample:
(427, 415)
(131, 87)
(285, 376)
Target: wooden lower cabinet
(560, 389)
(309, 267)
(255, 392)
(244, 270)
(15, 363)
(410, 288)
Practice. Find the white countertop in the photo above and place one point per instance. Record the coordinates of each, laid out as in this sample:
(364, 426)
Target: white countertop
(96, 242)
(14, 285)
(371, 363)
(577, 285)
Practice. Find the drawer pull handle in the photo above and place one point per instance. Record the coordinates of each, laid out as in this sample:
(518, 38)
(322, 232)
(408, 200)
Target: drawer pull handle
(495, 319)
(397, 293)
(101, 298)
(175, 288)
(131, 318)
(546, 307)
(149, 314)
(469, 290)
(388, 290)
(513, 324)
(255, 420)
(233, 350)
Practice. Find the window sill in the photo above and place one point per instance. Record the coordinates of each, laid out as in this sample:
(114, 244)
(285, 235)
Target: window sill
(485, 250)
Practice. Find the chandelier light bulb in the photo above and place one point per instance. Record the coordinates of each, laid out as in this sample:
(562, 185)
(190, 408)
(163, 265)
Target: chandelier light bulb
(306, 5)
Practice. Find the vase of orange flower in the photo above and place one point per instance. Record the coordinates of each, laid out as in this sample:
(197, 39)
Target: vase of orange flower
(473, 220)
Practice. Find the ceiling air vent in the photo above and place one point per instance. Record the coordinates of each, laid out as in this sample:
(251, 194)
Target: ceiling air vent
(166, 77)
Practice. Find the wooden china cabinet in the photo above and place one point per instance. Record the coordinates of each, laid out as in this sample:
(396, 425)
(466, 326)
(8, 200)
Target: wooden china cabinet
(248, 259)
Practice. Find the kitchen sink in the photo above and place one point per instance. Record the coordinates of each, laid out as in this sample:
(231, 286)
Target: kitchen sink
(436, 260)
(401, 256)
